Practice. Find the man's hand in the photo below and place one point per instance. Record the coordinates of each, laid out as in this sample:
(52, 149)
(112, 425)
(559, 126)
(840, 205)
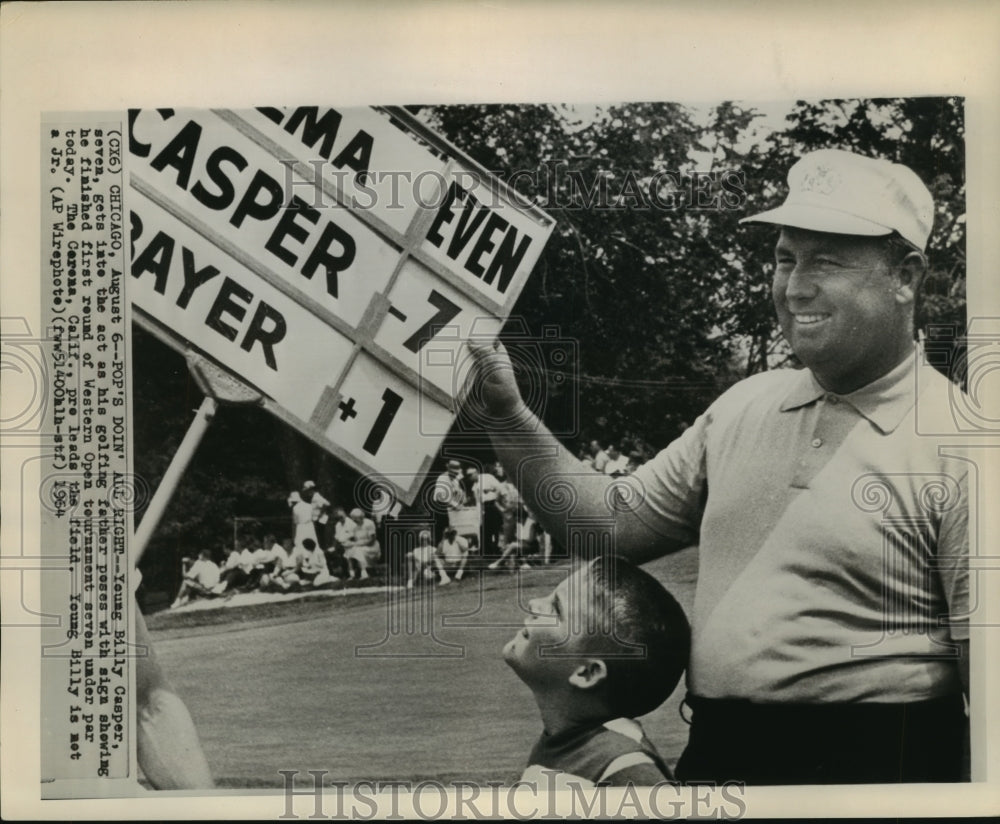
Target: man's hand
(490, 386)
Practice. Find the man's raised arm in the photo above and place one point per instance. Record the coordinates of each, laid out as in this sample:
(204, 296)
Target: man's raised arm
(553, 483)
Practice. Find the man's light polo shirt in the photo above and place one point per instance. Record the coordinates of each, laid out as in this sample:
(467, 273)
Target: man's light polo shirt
(833, 539)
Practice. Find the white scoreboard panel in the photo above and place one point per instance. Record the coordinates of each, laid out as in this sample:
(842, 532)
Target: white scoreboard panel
(335, 260)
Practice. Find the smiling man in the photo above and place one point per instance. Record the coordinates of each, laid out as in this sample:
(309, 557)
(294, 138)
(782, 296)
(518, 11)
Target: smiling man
(830, 637)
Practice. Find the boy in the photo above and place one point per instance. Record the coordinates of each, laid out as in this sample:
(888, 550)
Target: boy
(608, 644)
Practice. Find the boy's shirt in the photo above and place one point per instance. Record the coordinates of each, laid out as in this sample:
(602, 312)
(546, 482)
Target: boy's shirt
(615, 753)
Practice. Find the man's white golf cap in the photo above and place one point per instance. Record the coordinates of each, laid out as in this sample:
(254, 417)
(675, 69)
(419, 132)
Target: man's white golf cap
(832, 190)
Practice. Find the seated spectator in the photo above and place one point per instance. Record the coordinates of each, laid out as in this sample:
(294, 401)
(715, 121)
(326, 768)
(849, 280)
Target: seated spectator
(234, 573)
(264, 552)
(452, 554)
(364, 551)
(343, 537)
(524, 546)
(200, 579)
(422, 560)
(312, 567)
(285, 568)
(634, 462)
(599, 456)
(617, 463)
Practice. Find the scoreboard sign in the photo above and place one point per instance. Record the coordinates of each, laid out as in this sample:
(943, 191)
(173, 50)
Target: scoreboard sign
(332, 259)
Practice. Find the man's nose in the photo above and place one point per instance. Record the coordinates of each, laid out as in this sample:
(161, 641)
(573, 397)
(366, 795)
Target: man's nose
(801, 283)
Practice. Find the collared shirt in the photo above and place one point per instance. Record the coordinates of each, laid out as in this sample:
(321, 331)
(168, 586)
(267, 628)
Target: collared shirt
(833, 539)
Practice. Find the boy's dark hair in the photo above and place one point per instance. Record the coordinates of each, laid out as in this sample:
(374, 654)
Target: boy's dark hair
(646, 638)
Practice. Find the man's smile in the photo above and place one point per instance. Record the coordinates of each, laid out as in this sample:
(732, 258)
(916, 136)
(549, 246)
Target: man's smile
(810, 319)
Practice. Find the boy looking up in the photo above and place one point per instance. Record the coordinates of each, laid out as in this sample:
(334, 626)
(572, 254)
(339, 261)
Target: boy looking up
(607, 645)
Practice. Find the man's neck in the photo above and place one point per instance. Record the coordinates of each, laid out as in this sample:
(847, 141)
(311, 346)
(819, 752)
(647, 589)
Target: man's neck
(844, 384)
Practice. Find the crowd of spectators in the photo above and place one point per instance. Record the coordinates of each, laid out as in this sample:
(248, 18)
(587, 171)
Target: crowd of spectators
(478, 514)
(326, 546)
(610, 459)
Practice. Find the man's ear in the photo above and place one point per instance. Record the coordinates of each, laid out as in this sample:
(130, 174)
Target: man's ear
(589, 674)
(910, 273)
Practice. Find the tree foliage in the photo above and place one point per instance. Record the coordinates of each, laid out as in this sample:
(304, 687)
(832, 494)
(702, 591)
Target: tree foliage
(669, 299)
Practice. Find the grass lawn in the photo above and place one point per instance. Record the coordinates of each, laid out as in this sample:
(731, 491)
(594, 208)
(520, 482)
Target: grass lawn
(376, 687)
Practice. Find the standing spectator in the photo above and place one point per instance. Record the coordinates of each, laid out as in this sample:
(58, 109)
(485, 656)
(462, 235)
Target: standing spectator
(364, 550)
(483, 491)
(448, 495)
(448, 489)
(584, 456)
(492, 514)
(302, 519)
(617, 463)
(508, 501)
(200, 578)
(599, 456)
(320, 512)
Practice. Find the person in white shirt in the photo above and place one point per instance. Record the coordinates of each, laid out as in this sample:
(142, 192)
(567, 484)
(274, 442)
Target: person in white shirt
(617, 463)
(452, 553)
(302, 519)
(364, 551)
(526, 543)
(287, 561)
(486, 489)
(312, 568)
(600, 457)
(343, 538)
(422, 560)
(200, 578)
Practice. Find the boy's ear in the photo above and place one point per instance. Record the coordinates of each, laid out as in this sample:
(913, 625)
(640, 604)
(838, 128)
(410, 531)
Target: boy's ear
(589, 674)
